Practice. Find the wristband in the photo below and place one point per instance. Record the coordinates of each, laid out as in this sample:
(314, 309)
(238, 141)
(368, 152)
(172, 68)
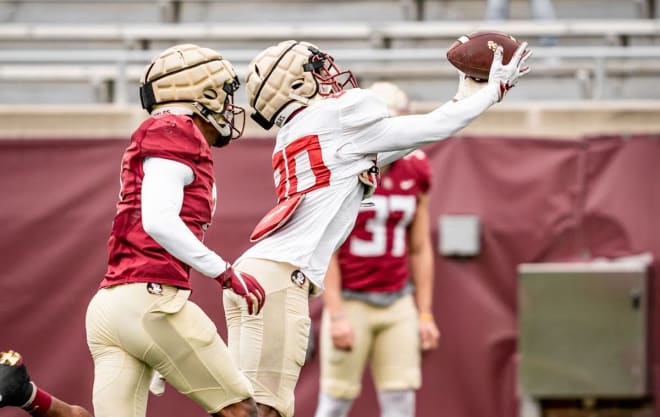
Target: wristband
(426, 317)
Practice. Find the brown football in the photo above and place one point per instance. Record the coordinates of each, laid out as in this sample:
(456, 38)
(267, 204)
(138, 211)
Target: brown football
(473, 53)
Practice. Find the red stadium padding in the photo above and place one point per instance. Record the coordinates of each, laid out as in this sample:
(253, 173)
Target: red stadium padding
(538, 200)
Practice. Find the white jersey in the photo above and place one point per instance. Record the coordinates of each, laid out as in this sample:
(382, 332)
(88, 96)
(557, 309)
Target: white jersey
(320, 153)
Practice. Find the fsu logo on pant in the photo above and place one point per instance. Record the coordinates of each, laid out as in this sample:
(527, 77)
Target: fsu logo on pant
(298, 278)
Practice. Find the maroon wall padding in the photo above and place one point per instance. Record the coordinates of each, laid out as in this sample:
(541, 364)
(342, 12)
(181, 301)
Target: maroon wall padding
(538, 200)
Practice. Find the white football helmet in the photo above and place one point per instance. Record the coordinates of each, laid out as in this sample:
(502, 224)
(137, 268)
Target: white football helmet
(290, 75)
(199, 79)
(395, 98)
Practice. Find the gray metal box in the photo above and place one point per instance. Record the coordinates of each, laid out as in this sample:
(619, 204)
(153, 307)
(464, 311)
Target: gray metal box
(583, 330)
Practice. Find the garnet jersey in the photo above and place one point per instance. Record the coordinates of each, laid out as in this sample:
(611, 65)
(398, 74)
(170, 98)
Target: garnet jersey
(320, 153)
(374, 257)
(133, 256)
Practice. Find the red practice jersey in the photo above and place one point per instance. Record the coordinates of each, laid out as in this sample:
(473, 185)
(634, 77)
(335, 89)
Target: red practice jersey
(133, 256)
(374, 256)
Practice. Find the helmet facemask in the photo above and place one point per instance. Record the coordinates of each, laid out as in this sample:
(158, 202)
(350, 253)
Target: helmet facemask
(330, 78)
(229, 122)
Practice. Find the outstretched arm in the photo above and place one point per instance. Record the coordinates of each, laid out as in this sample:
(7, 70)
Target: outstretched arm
(394, 137)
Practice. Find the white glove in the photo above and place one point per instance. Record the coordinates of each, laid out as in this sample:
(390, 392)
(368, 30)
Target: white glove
(467, 86)
(506, 76)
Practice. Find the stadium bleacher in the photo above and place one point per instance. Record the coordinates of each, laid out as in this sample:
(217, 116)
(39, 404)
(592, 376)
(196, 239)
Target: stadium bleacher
(79, 52)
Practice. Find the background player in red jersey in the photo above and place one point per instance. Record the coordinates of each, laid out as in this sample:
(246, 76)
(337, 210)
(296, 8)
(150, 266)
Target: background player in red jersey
(141, 320)
(369, 313)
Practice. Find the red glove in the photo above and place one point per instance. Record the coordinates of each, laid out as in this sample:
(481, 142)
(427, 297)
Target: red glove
(244, 285)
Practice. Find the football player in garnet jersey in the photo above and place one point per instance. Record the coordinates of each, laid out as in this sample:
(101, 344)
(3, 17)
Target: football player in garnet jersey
(369, 313)
(332, 139)
(141, 321)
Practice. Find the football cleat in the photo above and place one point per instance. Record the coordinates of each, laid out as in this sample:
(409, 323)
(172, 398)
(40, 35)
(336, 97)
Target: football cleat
(15, 387)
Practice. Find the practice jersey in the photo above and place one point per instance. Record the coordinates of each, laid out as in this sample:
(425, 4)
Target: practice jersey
(374, 257)
(133, 256)
(320, 153)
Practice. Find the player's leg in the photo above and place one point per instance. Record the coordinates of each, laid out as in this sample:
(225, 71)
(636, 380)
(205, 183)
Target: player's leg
(397, 403)
(332, 407)
(121, 380)
(341, 370)
(542, 9)
(167, 332)
(17, 390)
(396, 358)
(244, 408)
(270, 348)
(187, 350)
(497, 10)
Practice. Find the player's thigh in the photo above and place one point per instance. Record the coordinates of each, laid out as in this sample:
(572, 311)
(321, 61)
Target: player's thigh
(121, 380)
(341, 370)
(234, 307)
(121, 383)
(272, 345)
(396, 358)
(192, 357)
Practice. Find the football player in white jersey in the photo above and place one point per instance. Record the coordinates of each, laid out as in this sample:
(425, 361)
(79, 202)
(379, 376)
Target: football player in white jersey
(379, 290)
(332, 138)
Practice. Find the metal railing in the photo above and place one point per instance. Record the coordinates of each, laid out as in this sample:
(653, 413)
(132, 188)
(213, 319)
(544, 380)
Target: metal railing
(383, 35)
(114, 70)
(111, 56)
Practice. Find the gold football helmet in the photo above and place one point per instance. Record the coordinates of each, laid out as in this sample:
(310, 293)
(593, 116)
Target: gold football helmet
(288, 76)
(196, 78)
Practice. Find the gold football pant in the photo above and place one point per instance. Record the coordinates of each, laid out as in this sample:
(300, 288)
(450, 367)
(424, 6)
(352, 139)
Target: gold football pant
(131, 331)
(387, 337)
(270, 348)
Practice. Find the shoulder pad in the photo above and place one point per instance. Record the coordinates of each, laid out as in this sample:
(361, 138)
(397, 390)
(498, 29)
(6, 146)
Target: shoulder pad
(419, 164)
(359, 107)
(416, 154)
(172, 137)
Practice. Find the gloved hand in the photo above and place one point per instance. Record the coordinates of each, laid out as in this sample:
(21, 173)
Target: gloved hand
(244, 285)
(468, 86)
(506, 76)
(15, 387)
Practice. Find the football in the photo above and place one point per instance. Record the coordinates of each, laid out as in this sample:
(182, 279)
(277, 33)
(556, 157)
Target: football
(473, 54)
